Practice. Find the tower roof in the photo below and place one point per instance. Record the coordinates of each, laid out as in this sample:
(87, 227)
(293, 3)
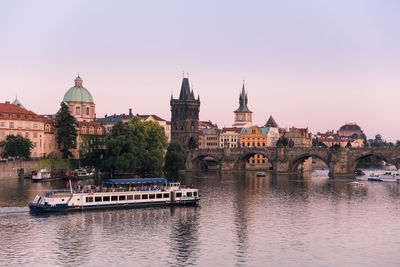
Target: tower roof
(186, 93)
(271, 122)
(243, 102)
(17, 102)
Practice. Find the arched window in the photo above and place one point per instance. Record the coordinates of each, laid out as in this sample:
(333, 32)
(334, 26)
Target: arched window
(87, 111)
(83, 130)
(78, 110)
(91, 130)
(99, 130)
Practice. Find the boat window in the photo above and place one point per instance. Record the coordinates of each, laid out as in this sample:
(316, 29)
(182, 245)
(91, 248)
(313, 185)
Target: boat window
(145, 196)
(97, 199)
(159, 195)
(121, 197)
(129, 197)
(166, 195)
(189, 194)
(179, 194)
(62, 199)
(88, 199)
(137, 197)
(152, 196)
(195, 194)
(114, 198)
(106, 198)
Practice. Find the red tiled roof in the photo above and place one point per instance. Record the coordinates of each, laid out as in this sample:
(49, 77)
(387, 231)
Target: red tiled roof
(88, 124)
(16, 111)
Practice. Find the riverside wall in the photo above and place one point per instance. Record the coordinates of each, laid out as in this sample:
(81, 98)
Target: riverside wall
(10, 169)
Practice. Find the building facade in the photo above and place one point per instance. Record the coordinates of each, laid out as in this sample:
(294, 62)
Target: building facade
(300, 137)
(185, 117)
(230, 137)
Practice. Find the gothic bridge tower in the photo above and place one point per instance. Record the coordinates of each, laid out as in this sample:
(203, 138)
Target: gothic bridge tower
(185, 117)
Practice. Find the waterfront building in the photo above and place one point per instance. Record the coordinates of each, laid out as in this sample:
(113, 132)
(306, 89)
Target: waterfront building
(255, 136)
(230, 137)
(273, 132)
(16, 120)
(110, 120)
(351, 130)
(185, 117)
(208, 138)
(300, 137)
(242, 115)
(80, 102)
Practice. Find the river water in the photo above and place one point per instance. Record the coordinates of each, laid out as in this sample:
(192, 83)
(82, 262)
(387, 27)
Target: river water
(242, 220)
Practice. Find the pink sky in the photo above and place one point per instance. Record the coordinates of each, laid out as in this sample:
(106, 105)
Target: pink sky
(306, 63)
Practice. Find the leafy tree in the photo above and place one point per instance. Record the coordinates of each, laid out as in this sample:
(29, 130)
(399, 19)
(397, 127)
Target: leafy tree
(16, 146)
(175, 158)
(136, 146)
(92, 150)
(66, 131)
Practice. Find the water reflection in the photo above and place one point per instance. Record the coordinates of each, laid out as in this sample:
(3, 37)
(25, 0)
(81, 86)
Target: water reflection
(242, 220)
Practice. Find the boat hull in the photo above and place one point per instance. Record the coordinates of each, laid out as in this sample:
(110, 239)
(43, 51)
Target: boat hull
(40, 208)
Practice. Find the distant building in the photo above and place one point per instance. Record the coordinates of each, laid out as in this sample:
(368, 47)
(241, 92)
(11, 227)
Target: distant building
(166, 125)
(351, 130)
(80, 102)
(300, 137)
(230, 137)
(110, 120)
(243, 115)
(185, 117)
(208, 138)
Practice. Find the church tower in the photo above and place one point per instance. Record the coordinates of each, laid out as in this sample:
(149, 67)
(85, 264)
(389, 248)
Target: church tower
(243, 115)
(185, 117)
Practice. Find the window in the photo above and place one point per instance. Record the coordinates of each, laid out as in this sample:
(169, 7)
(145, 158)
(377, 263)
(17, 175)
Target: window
(34, 135)
(114, 198)
(91, 131)
(34, 144)
(2, 134)
(2, 123)
(121, 197)
(87, 111)
(19, 124)
(27, 125)
(179, 194)
(145, 196)
(159, 195)
(137, 197)
(19, 133)
(97, 199)
(26, 135)
(195, 194)
(35, 125)
(129, 197)
(166, 195)
(78, 111)
(106, 198)
(50, 146)
(189, 194)
(11, 125)
(152, 196)
(89, 199)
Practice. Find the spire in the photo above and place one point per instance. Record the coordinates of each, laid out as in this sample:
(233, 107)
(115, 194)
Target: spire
(17, 102)
(243, 101)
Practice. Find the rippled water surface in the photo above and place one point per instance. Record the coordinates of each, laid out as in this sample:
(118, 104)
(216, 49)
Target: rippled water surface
(242, 220)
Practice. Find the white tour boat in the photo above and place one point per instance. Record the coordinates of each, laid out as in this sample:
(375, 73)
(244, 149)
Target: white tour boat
(41, 175)
(81, 173)
(117, 193)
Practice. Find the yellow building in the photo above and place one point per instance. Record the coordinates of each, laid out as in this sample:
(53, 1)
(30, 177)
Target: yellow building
(255, 136)
(16, 120)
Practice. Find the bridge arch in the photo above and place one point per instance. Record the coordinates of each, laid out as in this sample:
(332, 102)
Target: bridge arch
(242, 159)
(294, 163)
(388, 158)
(196, 162)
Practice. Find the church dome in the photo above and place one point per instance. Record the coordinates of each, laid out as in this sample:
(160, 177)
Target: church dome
(78, 93)
(350, 127)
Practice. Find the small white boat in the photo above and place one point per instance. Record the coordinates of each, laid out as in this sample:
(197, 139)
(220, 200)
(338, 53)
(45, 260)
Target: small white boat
(81, 173)
(385, 177)
(41, 175)
(260, 174)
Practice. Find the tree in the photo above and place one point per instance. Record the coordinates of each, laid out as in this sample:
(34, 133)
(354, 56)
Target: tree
(175, 159)
(16, 146)
(66, 131)
(136, 146)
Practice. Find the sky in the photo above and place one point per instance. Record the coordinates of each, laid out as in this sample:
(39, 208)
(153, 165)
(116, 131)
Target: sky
(315, 64)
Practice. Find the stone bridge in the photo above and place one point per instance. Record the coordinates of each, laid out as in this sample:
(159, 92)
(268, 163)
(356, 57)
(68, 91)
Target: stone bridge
(340, 161)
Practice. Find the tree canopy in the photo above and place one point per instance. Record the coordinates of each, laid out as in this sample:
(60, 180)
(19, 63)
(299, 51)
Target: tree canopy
(136, 146)
(175, 159)
(16, 146)
(66, 131)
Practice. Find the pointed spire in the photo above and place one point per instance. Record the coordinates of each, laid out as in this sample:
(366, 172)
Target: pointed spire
(271, 122)
(243, 101)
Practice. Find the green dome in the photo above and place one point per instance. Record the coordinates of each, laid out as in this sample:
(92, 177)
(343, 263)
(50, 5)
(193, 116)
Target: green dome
(78, 94)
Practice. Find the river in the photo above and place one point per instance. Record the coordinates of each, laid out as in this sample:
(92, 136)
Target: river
(242, 220)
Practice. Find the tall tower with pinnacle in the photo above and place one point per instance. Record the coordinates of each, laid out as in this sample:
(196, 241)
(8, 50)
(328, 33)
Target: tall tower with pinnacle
(185, 117)
(243, 115)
